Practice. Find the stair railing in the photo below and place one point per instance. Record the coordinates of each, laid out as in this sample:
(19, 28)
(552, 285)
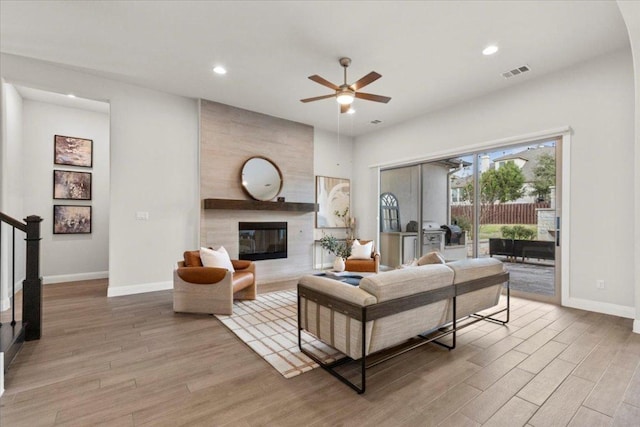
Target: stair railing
(32, 284)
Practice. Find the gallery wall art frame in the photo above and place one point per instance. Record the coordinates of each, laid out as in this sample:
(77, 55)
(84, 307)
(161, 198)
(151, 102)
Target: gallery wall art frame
(332, 195)
(71, 185)
(72, 151)
(71, 219)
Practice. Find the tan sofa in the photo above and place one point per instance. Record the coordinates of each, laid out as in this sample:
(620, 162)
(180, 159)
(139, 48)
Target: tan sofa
(397, 306)
(198, 289)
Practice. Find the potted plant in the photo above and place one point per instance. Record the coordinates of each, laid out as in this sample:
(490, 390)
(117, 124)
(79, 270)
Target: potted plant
(340, 249)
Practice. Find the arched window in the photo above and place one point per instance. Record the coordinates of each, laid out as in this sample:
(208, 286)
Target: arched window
(389, 213)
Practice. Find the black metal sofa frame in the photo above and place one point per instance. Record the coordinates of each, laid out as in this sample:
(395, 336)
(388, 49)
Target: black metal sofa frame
(368, 313)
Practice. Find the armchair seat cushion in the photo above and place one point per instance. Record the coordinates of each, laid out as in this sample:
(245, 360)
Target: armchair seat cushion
(368, 266)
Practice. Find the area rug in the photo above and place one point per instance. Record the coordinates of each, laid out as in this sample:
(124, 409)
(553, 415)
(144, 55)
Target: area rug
(269, 326)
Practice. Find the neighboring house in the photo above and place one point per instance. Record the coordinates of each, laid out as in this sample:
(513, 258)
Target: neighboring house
(526, 160)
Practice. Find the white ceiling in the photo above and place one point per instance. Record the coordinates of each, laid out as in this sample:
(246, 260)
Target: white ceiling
(64, 100)
(429, 53)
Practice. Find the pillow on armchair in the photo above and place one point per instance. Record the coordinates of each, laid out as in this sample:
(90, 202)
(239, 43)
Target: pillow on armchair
(360, 251)
(216, 258)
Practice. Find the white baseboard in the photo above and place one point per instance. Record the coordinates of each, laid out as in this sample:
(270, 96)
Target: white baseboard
(5, 303)
(602, 307)
(1, 374)
(46, 280)
(636, 326)
(117, 291)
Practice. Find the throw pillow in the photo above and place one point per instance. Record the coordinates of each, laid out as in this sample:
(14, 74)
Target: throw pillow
(431, 258)
(192, 259)
(360, 251)
(216, 258)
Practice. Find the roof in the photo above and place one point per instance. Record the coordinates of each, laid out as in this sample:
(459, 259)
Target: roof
(531, 157)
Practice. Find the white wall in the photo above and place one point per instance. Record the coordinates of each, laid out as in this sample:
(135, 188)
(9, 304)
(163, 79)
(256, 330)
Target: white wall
(12, 188)
(68, 256)
(404, 184)
(594, 98)
(154, 168)
(333, 156)
(434, 193)
(630, 11)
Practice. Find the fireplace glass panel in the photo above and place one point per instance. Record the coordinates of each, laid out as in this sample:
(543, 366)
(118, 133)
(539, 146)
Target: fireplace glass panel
(262, 240)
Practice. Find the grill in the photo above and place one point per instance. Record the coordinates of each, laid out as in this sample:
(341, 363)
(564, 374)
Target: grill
(432, 237)
(453, 235)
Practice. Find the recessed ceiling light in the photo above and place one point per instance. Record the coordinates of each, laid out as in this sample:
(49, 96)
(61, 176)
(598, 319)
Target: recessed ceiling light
(351, 111)
(219, 70)
(70, 95)
(490, 50)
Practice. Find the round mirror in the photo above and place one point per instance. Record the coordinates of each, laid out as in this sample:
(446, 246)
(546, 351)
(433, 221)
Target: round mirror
(261, 178)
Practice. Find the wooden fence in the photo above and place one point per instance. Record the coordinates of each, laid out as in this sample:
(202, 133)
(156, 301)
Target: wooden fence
(513, 213)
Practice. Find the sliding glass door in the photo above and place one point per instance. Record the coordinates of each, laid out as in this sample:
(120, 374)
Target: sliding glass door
(498, 203)
(518, 221)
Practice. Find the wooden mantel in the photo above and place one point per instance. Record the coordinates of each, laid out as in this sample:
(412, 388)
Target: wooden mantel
(256, 205)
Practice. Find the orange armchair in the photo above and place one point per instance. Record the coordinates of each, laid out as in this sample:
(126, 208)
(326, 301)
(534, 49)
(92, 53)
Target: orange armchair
(198, 289)
(364, 265)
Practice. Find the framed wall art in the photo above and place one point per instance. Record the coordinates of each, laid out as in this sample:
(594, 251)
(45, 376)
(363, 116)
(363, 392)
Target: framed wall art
(72, 151)
(71, 219)
(70, 185)
(333, 198)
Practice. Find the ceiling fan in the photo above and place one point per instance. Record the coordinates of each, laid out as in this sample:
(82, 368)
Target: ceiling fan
(346, 93)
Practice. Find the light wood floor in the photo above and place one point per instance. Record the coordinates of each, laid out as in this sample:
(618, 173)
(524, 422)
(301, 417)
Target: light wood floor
(132, 361)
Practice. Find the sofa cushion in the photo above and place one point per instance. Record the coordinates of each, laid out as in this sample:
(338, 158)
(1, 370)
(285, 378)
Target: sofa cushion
(398, 283)
(338, 289)
(192, 259)
(474, 268)
(470, 269)
(431, 258)
(216, 258)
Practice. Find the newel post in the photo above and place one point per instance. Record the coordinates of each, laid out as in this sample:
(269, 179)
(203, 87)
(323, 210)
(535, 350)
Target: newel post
(32, 285)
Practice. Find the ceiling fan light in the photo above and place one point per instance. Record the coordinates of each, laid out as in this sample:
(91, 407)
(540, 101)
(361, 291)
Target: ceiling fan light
(345, 98)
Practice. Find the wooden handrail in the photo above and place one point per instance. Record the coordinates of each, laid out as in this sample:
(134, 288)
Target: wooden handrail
(13, 222)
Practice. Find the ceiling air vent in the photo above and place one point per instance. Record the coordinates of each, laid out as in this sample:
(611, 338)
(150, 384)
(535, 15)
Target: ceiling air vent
(516, 71)
(376, 122)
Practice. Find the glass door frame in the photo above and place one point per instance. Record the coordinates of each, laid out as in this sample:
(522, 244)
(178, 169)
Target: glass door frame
(562, 136)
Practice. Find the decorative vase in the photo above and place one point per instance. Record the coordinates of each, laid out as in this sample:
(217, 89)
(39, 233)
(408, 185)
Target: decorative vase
(338, 264)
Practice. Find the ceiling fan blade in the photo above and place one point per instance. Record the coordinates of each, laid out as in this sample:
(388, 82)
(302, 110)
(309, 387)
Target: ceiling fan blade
(372, 97)
(318, 98)
(369, 78)
(344, 108)
(316, 78)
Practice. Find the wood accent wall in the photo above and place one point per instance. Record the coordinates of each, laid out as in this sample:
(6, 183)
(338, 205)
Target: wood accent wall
(228, 137)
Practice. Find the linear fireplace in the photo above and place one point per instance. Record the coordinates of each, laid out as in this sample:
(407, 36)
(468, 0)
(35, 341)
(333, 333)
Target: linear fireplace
(262, 240)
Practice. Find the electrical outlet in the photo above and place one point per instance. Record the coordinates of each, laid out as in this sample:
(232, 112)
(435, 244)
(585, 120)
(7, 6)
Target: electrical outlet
(600, 284)
(142, 216)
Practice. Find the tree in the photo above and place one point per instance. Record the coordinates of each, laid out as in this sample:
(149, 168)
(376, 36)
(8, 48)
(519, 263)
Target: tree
(496, 185)
(544, 177)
